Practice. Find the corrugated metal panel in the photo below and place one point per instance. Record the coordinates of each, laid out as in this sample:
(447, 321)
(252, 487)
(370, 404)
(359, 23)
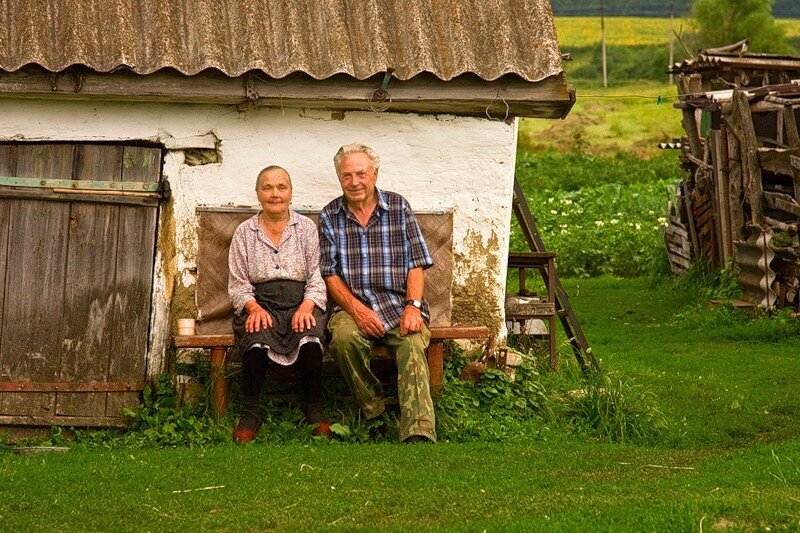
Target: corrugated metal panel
(753, 257)
(319, 37)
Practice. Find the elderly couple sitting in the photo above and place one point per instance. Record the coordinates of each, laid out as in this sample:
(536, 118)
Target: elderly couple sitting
(369, 256)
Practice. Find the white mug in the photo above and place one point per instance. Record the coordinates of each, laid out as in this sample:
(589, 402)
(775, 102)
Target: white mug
(186, 326)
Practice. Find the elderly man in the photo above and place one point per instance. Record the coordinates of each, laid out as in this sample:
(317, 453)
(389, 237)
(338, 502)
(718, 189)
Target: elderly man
(372, 257)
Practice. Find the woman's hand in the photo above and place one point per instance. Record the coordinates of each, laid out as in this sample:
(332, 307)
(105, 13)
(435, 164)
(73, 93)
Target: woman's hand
(303, 318)
(257, 317)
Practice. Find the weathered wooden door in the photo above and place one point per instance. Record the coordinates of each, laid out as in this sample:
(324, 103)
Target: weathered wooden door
(77, 240)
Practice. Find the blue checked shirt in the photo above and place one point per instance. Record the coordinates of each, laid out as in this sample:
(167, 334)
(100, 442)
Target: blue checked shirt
(374, 260)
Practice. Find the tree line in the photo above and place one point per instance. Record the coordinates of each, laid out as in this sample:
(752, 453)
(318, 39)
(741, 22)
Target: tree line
(652, 8)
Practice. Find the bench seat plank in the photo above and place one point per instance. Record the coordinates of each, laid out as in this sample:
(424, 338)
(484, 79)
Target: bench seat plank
(219, 344)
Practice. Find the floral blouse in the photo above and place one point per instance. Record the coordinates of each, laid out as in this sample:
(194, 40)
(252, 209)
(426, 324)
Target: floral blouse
(253, 258)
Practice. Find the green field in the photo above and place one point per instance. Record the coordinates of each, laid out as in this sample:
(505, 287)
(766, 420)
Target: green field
(731, 458)
(628, 115)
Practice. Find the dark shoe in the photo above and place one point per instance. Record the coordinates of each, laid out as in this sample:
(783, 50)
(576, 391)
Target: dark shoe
(247, 428)
(416, 438)
(313, 415)
(244, 435)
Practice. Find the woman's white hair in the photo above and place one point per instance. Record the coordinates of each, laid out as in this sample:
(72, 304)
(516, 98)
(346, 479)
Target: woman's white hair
(269, 169)
(356, 148)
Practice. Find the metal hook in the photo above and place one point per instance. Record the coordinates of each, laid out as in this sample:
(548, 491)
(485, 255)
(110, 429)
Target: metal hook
(490, 105)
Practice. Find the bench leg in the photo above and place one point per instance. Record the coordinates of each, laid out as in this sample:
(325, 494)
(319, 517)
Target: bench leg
(219, 382)
(552, 339)
(436, 366)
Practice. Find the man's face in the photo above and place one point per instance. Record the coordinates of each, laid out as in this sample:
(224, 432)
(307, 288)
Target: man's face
(357, 177)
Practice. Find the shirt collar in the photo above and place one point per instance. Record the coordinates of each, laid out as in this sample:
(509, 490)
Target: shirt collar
(293, 219)
(382, 203)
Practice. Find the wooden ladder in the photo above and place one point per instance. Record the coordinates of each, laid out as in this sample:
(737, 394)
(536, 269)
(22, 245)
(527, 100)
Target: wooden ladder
(583, 352)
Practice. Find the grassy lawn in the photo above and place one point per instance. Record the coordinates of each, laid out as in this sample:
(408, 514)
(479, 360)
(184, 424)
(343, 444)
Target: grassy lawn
(732, 459)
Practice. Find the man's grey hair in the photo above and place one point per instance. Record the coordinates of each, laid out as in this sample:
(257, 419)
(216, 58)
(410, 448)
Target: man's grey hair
(269, 169)
(356, 148)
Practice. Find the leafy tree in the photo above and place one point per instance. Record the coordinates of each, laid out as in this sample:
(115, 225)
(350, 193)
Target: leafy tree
(723, 22)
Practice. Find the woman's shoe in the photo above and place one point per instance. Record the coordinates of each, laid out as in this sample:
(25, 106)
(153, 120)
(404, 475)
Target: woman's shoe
(314, 416)
(247, 428)
(244, 435)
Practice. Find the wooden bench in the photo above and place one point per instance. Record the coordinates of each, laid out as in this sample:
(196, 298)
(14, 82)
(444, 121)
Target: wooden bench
(219, 345)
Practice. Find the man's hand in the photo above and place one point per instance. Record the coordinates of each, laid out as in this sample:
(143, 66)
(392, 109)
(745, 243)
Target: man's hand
(257, 317)
(410, 320)
(368, 321)
(303, 318)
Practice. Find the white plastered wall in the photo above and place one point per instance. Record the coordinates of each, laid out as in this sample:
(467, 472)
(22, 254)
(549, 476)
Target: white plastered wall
(437, 162)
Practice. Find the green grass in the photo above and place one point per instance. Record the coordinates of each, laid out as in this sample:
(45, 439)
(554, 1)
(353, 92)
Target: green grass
(729, 384)
(625, 117)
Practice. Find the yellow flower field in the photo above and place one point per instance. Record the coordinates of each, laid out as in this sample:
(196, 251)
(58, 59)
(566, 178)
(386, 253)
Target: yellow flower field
(630, 31)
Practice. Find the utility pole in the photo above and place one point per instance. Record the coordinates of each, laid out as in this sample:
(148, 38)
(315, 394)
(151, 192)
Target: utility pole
(603, 42)
(671, 39)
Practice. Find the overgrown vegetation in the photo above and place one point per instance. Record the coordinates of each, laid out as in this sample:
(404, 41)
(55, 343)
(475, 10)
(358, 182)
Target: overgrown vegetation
(602, 215)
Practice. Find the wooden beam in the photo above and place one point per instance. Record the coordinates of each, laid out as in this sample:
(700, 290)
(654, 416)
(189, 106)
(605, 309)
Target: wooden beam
(750, 160)
(508, 96)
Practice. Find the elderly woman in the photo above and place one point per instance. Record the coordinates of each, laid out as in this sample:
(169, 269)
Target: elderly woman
(279, 299)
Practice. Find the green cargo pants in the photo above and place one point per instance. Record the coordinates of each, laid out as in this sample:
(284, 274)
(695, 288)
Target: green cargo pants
(352, 350)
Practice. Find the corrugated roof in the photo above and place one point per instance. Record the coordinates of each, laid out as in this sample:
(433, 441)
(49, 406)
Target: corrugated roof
(318, 37)
(707, 60)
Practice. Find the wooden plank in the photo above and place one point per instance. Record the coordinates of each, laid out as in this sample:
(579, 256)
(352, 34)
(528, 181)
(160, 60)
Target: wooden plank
(7, 168)
(735, 188)
(32, 327)
(88, 294)
(35, 419)
(551, 97)
(88, 301)
(130, 325)
(749, 154)
(438, 333)
(782, 202)
(790, 124)
(141, 163)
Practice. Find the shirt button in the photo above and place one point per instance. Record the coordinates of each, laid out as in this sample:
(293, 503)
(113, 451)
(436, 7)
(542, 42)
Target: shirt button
(276, 266)
(276, 251)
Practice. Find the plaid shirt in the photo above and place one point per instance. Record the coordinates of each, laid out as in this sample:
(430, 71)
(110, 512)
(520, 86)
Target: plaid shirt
(374, 261)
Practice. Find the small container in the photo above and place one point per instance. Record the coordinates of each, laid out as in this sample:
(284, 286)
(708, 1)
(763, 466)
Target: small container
(185, 326)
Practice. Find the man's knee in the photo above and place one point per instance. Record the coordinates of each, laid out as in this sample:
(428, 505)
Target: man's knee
(345, 335)
(412, 346)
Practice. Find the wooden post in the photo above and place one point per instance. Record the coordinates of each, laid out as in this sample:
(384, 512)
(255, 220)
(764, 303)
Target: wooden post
(723, 198)
(435, 366)
(219, 382)
(749, 153)
(551, 296)
(603, 42)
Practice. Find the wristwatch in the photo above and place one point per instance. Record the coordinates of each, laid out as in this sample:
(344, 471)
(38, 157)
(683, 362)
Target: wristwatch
(415, 303)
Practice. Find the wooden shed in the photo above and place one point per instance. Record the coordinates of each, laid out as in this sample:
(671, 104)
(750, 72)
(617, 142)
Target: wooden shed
(739, 199)
(132, 133)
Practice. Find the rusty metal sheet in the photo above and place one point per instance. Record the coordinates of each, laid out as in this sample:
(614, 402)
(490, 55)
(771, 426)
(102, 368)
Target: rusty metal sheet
(489, 38)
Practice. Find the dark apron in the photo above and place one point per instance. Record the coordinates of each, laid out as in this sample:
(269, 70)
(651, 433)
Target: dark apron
(280, 298)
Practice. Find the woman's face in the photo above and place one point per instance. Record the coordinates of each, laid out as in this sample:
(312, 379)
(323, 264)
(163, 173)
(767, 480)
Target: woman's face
(274, 192)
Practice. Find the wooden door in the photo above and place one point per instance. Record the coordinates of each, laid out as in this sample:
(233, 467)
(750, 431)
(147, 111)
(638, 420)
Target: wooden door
(77, 242)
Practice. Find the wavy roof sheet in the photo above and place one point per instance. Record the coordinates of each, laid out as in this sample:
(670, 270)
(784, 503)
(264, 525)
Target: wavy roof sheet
(318, 37)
